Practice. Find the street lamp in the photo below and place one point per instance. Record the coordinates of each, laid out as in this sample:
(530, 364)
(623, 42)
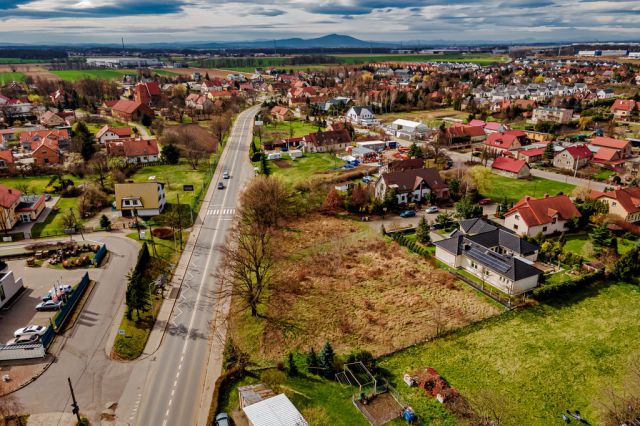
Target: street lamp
(135, 215)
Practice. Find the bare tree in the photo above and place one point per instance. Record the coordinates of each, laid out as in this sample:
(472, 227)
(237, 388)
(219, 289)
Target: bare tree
(10, 407)
(264, 201)
(249, 260)
(623, 406)
(220, 124)
(99, 166)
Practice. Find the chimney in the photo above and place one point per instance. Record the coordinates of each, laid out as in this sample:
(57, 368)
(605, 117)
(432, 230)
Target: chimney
(527, 198)
(546, 195)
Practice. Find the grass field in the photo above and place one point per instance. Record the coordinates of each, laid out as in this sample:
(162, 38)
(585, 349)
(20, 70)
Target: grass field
(20, 61)
(581, 244)
(36, 184)
(480, 58)
(431, 118)
(54, 225)
(305, 167)
(535, 363)
(339, 281)
(101, 74)
(281, 130)
(8, 77)
(498, 187)
(165, 73)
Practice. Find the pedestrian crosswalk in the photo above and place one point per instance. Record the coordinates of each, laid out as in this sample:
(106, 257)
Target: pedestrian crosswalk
(221, 212)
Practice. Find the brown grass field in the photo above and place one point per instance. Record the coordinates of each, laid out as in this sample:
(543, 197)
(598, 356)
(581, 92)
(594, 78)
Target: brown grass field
(337, 280)
(34, 70)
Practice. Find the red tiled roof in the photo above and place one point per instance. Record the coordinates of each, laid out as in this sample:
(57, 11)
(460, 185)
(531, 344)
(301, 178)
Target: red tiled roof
(126, 106)
(606, 154)
(533, 152)
(508, 164)
(624, 105)
(45, 144)
(579, 151)
(44, 134)
(152, 88)
(504, 140)
(8, 196)
(331, 137)
(138, 147)
(629, 198)
(122, 132)
(7, 156)
(541, 211)
(609, 142)
(409, 180)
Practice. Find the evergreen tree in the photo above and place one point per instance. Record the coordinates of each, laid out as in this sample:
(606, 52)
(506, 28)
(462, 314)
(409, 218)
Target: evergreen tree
(312, 362)
(466, 209)
(105, 223)
(422, 231)
(137, 296)
(292, 368)
(415, 151)
(264, 166)
(326, 360)
(600, 236)
(170, 154)
(390, 198)
(548, 152)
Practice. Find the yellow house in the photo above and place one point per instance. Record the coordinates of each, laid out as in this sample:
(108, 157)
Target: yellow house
(623, 202)
(147, 198)
(9, 200)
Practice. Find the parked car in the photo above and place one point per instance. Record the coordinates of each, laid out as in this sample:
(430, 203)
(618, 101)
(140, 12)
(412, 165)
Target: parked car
(432, 209)
(408, 213)
(485, 201)
(225, 174)
(220, 185)
(223, 419)
(47, 197)
(24, 340)
(30, 330)
(53, 294)
(49, 305)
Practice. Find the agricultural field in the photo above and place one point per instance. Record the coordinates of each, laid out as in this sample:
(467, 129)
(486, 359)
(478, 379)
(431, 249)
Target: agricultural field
(340, 281)
(8, 77)
(101, 74)
(498, 187)
(480, 58)
(532, 365)
(20, 61)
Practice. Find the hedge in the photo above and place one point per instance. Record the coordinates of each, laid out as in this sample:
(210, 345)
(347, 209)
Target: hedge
(411, 245)
(546, 291)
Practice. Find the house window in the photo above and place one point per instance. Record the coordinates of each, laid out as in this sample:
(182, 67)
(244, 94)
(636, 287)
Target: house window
(544, 229)
(515, 226)
(613, 203)
(517, 217)
(554, 220)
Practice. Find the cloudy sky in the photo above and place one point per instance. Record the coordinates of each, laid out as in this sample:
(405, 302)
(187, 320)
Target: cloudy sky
(139, 21)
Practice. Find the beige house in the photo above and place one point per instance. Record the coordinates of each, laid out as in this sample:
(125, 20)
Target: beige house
(623, 202)
(554, 115)
(145, 198)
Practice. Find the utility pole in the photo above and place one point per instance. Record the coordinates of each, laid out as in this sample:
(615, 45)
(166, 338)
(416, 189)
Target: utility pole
(76, 409)
(179, 221)
(135, 215)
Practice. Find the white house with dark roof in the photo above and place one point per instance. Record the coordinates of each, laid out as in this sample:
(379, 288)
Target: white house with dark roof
(361, 115)
(493, 254)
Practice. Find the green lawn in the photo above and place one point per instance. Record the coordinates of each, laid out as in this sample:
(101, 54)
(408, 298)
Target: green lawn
(537, 362)
(280, 130)
(101, 74)
(137, 330)
(321, 402)
(581, 245)
(604, 174)
(174, 176)
(499, 187)
(53, 225)
(36, 184)
(6, 61)
(304, 167)
(8, 77)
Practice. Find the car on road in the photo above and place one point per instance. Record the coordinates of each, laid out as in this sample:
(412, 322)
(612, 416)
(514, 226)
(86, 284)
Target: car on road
(485, 201)
(24, 340)
(30, 330)
(220, 185)
(226, 175)
(408, 213)
(432, 209)
(49, 305)
(222, 419)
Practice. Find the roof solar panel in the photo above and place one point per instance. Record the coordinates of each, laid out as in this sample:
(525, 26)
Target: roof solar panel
(489, 259)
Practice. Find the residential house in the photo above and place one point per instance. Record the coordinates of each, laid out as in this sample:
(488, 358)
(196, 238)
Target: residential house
(143, 198)
(511, 140)
(572, 157)
(608, 156)
(9, 201)
(46, 152)
(412, 185)
(332, 140)
(605, 93)
(29, 139)
(511, 167)
(362, 116)
(554, 115)
(108, 133)
(401, 165)
(136, 151)
(128, 110)
(51, 119)
(493, 254)
(409, 129)
(7, 162)
(281, 113)
(547, 215)
(531, 155)
(198, 102)
(9, 287)
(147, 93)
(623, 202)
(460, 134)
(622, 109)
(489, 127)
(619, 145)
(30, 207)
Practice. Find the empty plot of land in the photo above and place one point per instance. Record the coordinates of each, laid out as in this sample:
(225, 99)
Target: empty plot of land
(339, 281)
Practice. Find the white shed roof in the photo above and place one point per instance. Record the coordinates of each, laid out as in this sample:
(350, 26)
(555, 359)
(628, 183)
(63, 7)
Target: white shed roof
(275, 411)
(407, 123)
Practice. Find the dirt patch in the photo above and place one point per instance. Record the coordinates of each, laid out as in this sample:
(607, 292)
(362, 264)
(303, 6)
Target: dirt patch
(21, 372)
(202, 135)
(35, 71)
(283, 164)
(339, 281)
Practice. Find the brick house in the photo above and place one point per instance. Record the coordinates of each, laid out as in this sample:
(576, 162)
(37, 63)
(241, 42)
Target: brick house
(7, 162)
(128, 110)
(46, 153)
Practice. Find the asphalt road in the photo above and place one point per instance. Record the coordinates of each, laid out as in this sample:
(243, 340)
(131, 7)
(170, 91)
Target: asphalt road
(96, 378)
(168, 389)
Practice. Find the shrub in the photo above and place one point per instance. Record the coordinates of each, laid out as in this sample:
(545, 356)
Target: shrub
(551, 290)
(162, 233)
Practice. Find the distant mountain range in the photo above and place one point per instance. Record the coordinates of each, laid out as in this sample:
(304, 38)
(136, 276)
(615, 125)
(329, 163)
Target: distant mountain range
(331, 41)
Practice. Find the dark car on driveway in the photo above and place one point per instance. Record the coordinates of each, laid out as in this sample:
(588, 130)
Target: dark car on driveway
(408, 213)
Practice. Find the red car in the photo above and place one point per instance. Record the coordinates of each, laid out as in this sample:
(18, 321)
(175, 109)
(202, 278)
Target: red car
(485, 201)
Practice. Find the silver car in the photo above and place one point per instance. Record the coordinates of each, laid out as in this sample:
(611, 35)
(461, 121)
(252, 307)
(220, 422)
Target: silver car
(30, 330)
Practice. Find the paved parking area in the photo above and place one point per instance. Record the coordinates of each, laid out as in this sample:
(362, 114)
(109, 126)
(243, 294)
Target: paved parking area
(37, 281)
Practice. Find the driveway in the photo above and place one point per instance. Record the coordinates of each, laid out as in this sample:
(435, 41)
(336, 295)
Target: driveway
(26, 227)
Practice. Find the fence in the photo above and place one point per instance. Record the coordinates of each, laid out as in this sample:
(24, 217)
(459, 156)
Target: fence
(11, 352)
(47, 337)
(100, 254)
(67, 308)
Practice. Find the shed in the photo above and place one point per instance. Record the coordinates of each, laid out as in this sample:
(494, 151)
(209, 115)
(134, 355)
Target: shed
(275, 411)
